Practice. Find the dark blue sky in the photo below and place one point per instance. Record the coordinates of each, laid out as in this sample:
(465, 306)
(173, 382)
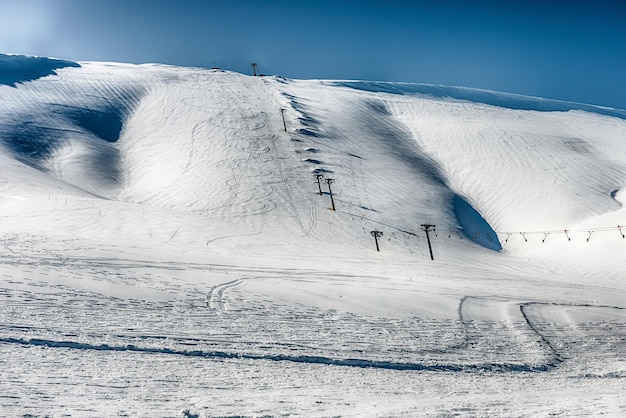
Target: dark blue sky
(574, 50)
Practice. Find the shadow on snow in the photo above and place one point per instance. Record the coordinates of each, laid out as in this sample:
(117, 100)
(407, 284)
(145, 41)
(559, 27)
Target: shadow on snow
(16, 69)
(360, 363)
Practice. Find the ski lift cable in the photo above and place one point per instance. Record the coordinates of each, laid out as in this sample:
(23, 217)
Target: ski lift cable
(508, 234)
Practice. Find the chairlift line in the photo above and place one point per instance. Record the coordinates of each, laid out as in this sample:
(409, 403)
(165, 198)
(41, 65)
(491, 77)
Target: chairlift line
(376, 234)
(330, 191)
(428, 228)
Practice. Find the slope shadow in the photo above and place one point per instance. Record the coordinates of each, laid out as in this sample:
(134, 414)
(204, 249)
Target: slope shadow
(398, 141)
(105, 123)
(473, 225)
(16, 69)
(36, 137)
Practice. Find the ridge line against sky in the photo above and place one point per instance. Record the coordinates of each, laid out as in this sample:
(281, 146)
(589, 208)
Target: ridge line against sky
(570, 51)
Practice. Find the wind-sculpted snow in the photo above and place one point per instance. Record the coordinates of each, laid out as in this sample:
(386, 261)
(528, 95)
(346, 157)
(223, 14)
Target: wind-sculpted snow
(492, 98)
(169, 246)
(18, 69)
(67, 126)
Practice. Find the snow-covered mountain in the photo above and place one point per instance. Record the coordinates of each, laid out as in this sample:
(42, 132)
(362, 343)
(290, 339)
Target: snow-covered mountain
(166, 247)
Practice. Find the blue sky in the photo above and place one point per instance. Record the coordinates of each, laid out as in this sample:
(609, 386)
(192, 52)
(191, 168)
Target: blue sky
(574, 50)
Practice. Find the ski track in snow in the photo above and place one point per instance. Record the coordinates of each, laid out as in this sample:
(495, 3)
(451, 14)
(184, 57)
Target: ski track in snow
(491, 336)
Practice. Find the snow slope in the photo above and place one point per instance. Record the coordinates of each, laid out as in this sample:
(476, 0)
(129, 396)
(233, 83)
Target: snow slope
(166, 251)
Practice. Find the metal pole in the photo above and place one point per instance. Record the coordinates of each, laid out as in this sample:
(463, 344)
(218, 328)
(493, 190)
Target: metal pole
(332, 201)
(376, 234)
(282, 112)
(426, 228)
(319, 185)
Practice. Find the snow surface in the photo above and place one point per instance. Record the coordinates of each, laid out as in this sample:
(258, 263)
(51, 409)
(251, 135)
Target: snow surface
(165, 251)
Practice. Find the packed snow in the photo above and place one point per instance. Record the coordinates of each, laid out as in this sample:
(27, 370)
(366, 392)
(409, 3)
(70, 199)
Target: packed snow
(169, 247)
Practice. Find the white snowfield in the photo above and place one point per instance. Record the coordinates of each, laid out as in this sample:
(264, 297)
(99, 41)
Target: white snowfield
(166, 251)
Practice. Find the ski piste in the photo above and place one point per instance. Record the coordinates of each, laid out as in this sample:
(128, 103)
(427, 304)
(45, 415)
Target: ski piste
(167, 249)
